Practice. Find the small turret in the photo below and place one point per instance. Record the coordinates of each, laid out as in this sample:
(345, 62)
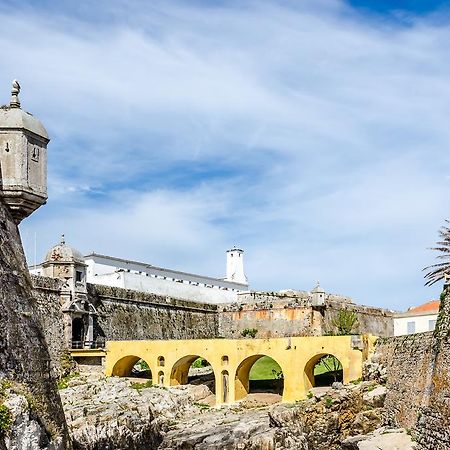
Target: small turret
(318, 295)
(235, 266)
(23, 158)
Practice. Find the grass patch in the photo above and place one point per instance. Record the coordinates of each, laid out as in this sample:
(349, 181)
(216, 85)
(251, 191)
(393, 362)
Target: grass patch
(199, 362)
(63, 383)
(326, 364)
(201, 406)
(265, 369)
(139, 386)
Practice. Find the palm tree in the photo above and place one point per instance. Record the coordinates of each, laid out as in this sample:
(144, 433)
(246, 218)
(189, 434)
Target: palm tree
(437, 272)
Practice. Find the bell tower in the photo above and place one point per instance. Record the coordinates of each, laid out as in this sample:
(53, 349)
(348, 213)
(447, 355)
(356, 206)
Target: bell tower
(23, 158)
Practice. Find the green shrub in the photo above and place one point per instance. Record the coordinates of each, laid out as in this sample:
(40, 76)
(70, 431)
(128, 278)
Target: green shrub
(328, 402)
(249, 332)
(345, 322)
(6, 419)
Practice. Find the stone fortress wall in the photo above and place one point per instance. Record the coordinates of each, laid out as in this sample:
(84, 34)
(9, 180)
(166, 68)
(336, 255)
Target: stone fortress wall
(292, 313)
(418, 381)
(122, 315)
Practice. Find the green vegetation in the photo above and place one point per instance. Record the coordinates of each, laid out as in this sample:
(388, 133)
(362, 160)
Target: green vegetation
(437, 272)
(200, 362)
(249, 332)
(6, 419)
(139, 386)
(327, 363)
(310, 395)
(201, 406)
(141, 365)
(63, 383)
(345, 322)
(266, 369)
(328, 402)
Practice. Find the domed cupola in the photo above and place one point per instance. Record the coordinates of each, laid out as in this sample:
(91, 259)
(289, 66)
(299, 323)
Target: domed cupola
(23, 158)
(66, 263)
(64, 253)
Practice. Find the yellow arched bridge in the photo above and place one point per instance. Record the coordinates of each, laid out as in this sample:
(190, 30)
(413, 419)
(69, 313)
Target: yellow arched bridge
(232, 359)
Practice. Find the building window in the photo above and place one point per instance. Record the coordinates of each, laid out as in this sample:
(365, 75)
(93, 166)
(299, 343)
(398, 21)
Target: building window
(431, 324)
(78, 276)
(411, 327)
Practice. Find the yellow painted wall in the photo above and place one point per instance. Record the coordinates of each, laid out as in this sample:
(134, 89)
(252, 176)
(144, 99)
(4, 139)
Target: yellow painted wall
(295, 355)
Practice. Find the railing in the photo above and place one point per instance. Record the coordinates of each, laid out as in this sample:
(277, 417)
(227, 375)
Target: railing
(99, 343)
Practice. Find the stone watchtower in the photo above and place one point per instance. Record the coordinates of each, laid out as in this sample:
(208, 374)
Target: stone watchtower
(67, 264)
(23, 158)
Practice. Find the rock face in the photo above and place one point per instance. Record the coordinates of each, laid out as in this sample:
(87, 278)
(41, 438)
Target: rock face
(23, 351)
(111, 414)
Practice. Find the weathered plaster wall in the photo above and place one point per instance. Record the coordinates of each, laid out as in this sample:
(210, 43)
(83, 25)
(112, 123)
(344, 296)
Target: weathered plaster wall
(276, 320)
(24, 356)
(292, 314)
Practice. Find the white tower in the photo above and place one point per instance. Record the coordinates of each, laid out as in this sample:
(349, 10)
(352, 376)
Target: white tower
(235, 266)
(23, 158)
(318, 295)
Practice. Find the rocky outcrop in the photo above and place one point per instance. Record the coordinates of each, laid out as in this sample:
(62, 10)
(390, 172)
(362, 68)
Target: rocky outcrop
(121, 413)
(23, 351)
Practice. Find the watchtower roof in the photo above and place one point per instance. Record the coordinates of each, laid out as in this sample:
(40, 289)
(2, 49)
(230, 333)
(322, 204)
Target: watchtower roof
(13, 117)
(64, 253)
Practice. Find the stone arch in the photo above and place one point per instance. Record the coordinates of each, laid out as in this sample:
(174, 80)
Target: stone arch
(180, 370)
(124, 366)
(242, 376)
(311, 380)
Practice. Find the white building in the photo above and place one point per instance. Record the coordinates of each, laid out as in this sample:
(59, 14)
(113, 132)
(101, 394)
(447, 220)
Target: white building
(417, 319)
(138, 276)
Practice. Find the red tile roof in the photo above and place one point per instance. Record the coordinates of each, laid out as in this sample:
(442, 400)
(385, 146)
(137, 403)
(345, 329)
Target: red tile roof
(431, 306)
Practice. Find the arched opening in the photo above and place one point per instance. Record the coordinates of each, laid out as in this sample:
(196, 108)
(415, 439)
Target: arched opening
(225, 386)
(161, 361)
(132, 366)
(261, 378)
(77, 332)
(193, 369)
(161, 378)
(323, 370)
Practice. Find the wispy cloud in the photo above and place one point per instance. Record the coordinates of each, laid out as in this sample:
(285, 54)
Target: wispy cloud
(313, 135)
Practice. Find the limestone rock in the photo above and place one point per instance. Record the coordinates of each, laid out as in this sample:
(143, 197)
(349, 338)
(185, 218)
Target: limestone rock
(26, 433)
(381, 439)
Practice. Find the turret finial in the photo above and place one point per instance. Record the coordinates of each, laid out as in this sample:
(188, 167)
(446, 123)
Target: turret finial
(63, 239)
(15, 102)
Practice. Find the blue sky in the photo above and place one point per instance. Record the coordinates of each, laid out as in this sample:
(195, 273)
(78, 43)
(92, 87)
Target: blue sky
(312, 134)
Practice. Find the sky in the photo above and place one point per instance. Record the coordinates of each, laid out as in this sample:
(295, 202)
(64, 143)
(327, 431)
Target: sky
(314, 135)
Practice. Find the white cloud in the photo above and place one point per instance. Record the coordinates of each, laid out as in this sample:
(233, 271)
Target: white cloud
(311, 135)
